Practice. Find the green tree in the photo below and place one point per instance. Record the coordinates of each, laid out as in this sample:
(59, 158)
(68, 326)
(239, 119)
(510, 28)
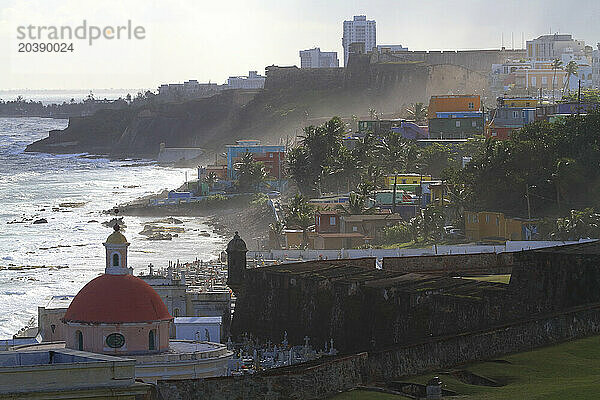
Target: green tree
(317, 152)
(356, 205)
(250, 173)
(300, 214)
(418, 112)
(556, 65)
(211, 180)
(571, 69)
(396, 155)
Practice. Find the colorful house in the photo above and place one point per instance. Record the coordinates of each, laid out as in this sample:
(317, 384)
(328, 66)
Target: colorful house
(402, 179)
(456, 125)
(327, 222)
(453, 103)
(273, 156)
(495, 226)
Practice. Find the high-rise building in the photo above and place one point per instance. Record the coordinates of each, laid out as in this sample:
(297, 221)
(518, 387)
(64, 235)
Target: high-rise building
(315, 58)
(359, 30)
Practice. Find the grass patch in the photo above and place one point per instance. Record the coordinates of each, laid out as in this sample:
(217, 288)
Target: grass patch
(565, 371)
(364, 395)
(490, 278)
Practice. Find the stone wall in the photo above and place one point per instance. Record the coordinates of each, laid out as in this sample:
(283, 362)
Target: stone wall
(325, 377)
(313, 380)
(304, 78)
(453, 264)
(517, 337)
(475, 60)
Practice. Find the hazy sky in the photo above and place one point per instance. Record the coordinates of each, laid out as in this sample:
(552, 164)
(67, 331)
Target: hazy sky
(211, 40)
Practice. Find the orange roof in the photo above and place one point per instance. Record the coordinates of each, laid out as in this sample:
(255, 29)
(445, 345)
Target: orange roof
(117, 299)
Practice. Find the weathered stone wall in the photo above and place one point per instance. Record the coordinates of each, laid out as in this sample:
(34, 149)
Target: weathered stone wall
(453, 264)
(475, 60)
(363, 308)
(554, 280)
(314, 380)
(450, 351)
(322, 378)
(304, 78)
(392, 81)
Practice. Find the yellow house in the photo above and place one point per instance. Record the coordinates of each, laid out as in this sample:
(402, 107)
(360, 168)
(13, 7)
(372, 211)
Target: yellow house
(518, 102)
(494, 225)
(403, 179)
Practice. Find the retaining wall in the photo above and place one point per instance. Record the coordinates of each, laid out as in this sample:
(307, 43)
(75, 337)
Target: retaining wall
(314, 380)
(517, 337)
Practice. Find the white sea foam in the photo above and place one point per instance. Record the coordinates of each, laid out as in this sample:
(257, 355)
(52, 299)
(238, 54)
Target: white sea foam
(31, 185)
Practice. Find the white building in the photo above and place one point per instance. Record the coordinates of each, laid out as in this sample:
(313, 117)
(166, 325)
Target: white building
(551, 47)
(390, 48)
(252, 81)
(187, 90)
(315, 58)
(596, 67)
(359, 30)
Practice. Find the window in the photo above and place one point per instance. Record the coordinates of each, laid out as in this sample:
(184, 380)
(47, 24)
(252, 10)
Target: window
(474, 124)
(115, 340)
(515, 114)
(331, 220)
(151, 341)
(355, 229)
(544, 80)
(458, 124)
(487, 219)
(471, 106)
(176, 312)
(115, 260)
(79, 340)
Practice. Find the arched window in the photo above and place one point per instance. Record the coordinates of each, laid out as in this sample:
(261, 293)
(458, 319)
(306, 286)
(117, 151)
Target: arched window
(115, 262)
(79, 340)
(151, 340)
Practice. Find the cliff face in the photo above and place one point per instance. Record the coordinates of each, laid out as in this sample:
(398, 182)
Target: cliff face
(292, 98)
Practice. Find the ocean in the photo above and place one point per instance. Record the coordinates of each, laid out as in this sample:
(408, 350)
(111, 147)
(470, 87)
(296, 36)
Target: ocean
(34, 185)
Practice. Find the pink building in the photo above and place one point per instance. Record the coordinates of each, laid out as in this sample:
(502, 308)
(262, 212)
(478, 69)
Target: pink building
(117, 313)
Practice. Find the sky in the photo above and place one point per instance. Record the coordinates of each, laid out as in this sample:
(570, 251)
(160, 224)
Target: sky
(211, 40)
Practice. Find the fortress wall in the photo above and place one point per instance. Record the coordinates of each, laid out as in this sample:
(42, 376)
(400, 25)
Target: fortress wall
(322, 378)
(304, 78)
(485, 345)
(315, 380)
(453, 264)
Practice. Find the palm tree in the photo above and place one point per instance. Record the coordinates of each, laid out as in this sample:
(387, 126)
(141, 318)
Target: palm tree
(556, 64)
(301, 214)
(395, 154)
(571, 69)
(211, 180)
(276, 230)
(250, 174)
(356, 205)
(418, 112)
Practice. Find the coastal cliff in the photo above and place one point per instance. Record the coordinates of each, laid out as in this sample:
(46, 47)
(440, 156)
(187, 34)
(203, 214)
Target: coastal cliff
(292, 98)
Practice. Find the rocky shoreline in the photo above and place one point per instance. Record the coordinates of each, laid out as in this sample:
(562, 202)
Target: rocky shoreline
(240, 214)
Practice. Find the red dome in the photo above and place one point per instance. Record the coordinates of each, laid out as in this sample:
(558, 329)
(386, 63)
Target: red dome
(117, 299)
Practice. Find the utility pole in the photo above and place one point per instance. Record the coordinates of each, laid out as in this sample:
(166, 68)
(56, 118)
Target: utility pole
(528, 204)
(579, 98)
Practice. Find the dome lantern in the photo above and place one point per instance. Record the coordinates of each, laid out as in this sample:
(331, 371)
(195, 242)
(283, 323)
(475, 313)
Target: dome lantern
(116, 253)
